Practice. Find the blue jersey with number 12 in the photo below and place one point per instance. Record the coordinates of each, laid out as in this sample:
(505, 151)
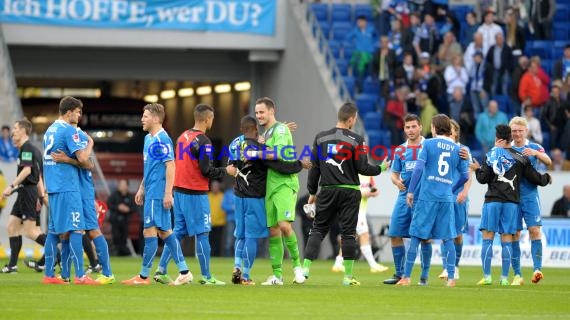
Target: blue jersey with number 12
(61, 177)
(157, 150)
(442, 165)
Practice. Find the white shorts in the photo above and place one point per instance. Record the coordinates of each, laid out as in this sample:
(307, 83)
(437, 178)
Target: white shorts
(362, 224)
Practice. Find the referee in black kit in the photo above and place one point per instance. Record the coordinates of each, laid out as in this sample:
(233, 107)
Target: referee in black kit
(29, 185)
(339, 155)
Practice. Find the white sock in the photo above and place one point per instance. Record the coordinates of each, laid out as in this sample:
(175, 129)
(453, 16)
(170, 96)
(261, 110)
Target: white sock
(338, 261)
(367, 253)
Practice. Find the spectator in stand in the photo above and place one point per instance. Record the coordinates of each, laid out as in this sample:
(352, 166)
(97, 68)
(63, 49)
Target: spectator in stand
(483, 6)
(514, 32)
(475, 46)
(458, 104)
(489, 30)
(427, 112)
(381, 16)
(561, 68)
(516, 76)
(406, 70)
(399, 40)
(498, 67)
(542, 12)
(121, 206)
(426, 38)
(543, 76)
(8, 151)
(383, 65)
(534, 129)
(218, 216)
(363, 37)
(486, 123)
(415, 24)
(558, 161)
(478, 94)
(468, 30)
(400, 11)
(448, 49)
(531, 86)
(455, 77)
(553, 115)
(561, 208)
(395, 110)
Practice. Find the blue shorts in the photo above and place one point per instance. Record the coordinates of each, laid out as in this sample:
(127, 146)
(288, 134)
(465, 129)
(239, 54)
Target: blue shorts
(401, 219)
(433, 220)
(529, 210)
(90, 214)
(500, 217)
(191, 214)
(251, 220)
(461, 221)
(65, 212)
(155, 215)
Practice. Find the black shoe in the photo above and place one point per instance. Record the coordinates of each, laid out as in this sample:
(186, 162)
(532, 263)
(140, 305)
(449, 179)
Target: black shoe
(236, 276)
(395, 278)
(8, 269)
(33, 264)
(96, 269)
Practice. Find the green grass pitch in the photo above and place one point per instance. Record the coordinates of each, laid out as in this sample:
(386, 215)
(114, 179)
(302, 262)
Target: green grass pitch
(22, 296)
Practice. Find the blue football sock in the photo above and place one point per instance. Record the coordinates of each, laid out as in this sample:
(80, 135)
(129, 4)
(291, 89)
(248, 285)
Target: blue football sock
(249, 254)
(76, 247)
(516, 257)
(203, 252)
(50, 251)
(65, 259)
(486, 256)
(443, 255)
(176, 252)
(426, 251)
(450, 252)
(102, 250)
(238, 252)
(506, 254)
(399, 254)
(536, 252)
(458, 252)
(149, 251)
(411, 256)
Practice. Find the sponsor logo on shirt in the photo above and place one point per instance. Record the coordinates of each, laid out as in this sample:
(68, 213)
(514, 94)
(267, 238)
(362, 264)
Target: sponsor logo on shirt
(26, 156)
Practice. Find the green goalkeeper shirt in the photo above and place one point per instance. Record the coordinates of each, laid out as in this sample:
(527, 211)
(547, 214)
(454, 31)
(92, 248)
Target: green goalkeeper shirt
(279, 138)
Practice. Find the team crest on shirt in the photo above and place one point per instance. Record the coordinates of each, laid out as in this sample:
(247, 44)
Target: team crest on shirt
(281, 129)
(288, 214)
(76, 138)
(332, 149)
(147, 220)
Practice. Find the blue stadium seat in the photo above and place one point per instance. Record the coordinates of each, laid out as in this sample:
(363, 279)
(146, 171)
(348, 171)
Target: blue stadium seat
(335, 48)
(325, 28)
(347, 50)
(342, 67)
(560, 33)
(321, 11)
(375, 137)
(547, 66)
(546, 141)
(341, 12)
(541, 48)
(366, 103)
(371, 86)
(561, 13)
(349, 82)
(339, 30)
(362, 9)
(373, 121)
(503, 102)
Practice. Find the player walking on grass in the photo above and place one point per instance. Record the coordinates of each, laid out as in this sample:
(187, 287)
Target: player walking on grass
(460, 208)
(251, 219)
(192, 175)
(281, 194)
(402, 168)
(529, 206)
(155, 192)
(66, 215)
(338, 157)
(94, 234)
(433, 217)
(24, 212)
(502, 171)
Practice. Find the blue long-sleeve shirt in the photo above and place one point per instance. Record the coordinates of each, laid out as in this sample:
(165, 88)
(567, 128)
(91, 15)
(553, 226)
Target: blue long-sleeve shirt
(363, 40)
(485, 127)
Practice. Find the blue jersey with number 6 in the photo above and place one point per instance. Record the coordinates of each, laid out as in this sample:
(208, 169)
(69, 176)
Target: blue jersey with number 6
(61, 177)
(442, 166)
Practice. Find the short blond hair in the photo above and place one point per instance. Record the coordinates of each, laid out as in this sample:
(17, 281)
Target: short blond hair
(518, 121)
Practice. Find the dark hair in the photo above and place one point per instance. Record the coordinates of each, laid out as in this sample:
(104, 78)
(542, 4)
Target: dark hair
(4, 127)
(361, 17)
(69, 103)
(266, 101)
(26, 125)
(441, 124)
(346, 111)
(248, 124)
(567, 46)
(202, 111)
(471, 12)
(412, 117)
(155, 109)
(503, 132)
